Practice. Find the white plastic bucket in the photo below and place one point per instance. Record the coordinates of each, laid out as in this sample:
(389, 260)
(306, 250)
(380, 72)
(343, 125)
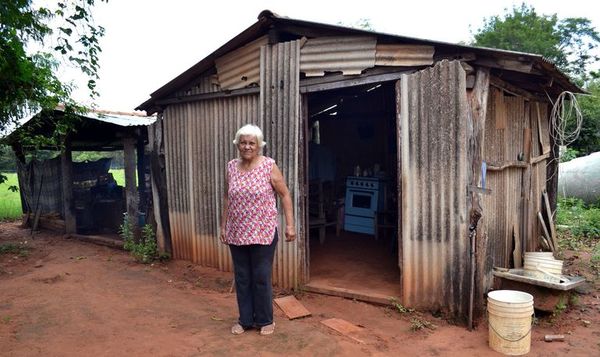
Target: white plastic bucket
(542, 266)
(509, 319)
(539, 254)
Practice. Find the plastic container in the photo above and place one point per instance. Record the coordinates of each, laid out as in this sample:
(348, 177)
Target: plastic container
(542, 266)
(510, 320)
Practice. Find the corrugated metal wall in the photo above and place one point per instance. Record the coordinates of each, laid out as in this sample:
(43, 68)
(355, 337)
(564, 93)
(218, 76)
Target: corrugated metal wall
(280, 119)
(433, 149)
(503, 142)
(510, 119)
(198, 144)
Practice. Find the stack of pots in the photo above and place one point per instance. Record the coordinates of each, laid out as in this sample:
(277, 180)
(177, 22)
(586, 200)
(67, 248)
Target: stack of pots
(543, 266)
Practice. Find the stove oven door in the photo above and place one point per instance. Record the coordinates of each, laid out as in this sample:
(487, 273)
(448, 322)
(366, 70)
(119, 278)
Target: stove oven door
(360, 211)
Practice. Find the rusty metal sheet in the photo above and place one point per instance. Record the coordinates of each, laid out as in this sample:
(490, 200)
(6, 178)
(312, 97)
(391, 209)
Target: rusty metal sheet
(348, 54)
(280, 121)
(205, 84)
(198, 144)
(240, 68)
(503, 143)
(403, 55)
(434, 164)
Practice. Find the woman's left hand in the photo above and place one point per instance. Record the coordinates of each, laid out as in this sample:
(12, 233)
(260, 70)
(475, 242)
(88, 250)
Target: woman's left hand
(290, 233)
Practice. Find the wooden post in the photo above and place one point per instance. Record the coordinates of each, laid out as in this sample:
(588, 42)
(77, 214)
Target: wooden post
(478, 98)
(66, 166)
(141, 175)
(159, 186)
(130, 184)
(527, 239)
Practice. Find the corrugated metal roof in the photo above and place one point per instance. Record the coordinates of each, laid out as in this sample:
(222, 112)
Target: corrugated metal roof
(240, 68)
(346, 54)
(121, 119)
(404, 55)
(268, 21)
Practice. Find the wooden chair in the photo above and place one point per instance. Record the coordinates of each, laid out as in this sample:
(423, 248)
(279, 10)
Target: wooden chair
(322, 208)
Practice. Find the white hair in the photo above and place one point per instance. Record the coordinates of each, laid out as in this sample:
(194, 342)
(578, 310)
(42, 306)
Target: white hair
(252, 130)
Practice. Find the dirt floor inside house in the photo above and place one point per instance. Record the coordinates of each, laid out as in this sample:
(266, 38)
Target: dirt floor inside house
(70, 298)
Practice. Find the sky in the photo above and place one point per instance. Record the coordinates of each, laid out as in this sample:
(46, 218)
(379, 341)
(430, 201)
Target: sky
(149, 42)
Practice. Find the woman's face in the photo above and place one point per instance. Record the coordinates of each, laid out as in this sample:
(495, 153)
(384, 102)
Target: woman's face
(248, 147)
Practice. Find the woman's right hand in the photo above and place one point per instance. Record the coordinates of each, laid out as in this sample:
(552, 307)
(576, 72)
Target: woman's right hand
(222, 236)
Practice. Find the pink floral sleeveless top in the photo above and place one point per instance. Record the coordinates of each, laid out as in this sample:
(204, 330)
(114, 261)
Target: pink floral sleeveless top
(252, 211)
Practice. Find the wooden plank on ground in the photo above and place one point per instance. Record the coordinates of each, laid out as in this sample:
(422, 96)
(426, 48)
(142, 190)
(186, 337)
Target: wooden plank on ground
(517, 253)
(344, 327)
(546, 235)
(550, 220)
(292, 308)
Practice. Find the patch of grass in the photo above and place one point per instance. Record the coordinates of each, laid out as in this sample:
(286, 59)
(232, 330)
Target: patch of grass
(417, 324)
(399, 307)
(579, 228)
(10, 202)
(119, 176)
(560, 307)
(11, 248)
(577, 218)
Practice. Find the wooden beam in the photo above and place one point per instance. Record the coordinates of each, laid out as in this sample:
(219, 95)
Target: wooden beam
(66, 166)
(328, 83)
(141, 174)
(131, 197)
(528, 216)
(478, 98)
(506, 165)
(535, 160)
(207, 96)
(159, 186)
(507, 64)
(514, 90)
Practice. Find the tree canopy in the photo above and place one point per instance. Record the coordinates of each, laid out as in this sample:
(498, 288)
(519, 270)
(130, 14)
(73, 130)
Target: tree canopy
(34, 42)
(567, 42)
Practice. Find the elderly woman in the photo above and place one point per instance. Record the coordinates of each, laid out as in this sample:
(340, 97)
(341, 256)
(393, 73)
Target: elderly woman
(249, 227)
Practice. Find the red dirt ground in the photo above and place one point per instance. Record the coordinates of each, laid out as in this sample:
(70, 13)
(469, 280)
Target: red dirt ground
(70, 298)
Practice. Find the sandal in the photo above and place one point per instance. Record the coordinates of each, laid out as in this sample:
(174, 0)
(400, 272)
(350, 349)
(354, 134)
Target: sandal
(267, 329)
(237, 329)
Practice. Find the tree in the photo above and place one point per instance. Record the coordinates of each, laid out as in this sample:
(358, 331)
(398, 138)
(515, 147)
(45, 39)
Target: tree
(589, 137)
(568, 42)
(34, 42)
(362, 24)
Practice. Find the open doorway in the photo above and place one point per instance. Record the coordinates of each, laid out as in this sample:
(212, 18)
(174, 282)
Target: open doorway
(353, 196)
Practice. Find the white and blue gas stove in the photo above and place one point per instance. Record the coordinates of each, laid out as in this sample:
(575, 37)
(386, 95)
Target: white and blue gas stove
(364, 197)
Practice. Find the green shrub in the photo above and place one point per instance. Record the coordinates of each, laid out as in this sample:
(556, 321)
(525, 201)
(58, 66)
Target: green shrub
(145, 250)
(568, 155)
(577, 218)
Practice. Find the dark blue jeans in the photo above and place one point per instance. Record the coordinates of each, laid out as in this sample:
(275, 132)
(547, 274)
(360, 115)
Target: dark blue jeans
(253, 266)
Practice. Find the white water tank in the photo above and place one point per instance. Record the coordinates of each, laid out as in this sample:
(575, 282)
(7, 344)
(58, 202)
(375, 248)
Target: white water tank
(580, 178)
